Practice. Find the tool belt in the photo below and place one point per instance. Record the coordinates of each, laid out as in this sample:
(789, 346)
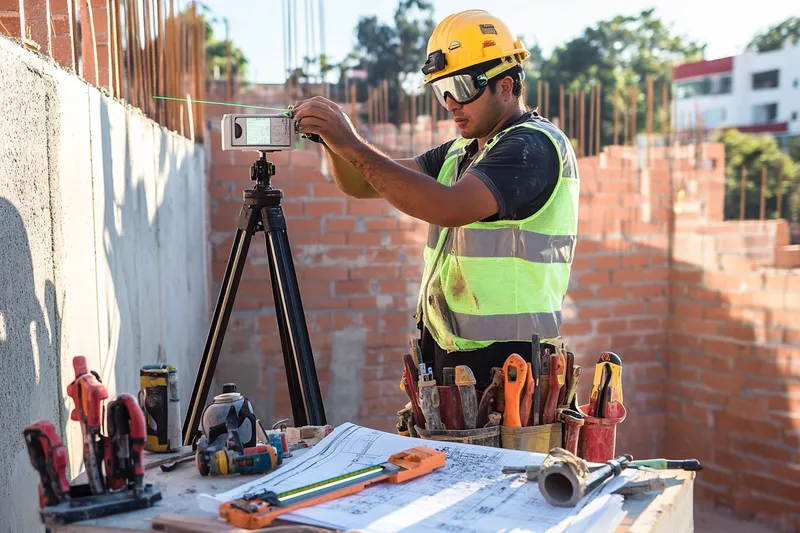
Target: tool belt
(529, 405)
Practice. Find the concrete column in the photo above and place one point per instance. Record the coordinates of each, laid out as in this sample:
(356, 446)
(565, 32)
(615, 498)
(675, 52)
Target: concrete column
(99, 41)
(36, 17)
(62, 33)
(10, 19)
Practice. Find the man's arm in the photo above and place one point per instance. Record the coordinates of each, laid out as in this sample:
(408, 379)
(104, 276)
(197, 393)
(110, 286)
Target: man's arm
(419, 196)
(351, 181)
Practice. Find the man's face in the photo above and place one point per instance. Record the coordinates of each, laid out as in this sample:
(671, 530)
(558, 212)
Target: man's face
(477, 118)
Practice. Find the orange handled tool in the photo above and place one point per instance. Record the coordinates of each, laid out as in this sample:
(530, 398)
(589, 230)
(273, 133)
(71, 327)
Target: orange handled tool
(254, 511)
(515, 370)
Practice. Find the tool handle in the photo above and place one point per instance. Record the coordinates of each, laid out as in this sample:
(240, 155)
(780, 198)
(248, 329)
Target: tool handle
(552, 398)
(49, 457)
(515, 370)
(429, 403)
(536, 367)
(488, 398)
(88, 394)
(469, 405)
(450, 407)
(412, 377)
(526, 402)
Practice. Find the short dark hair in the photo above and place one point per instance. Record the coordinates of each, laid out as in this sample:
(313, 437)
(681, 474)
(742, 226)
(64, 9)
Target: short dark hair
(515, 72)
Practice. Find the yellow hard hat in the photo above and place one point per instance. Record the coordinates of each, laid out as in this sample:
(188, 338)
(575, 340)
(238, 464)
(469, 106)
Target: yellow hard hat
(467, 39)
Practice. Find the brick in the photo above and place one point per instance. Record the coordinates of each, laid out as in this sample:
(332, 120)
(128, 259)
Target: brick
(384, 255)
(686, 276)
(407, 237)
(575, 328)
(393, 286)
(612, 326)
(411, 272)
(581, 263)
(656, 274)
(611, 292)
(606, 262)
(586, 313)
(373, 272)
(362, 303)
(594, 278)
(381, 224)
(351, 254)
(322, 208)
(646, 291)
(738, 425)
(372, 206)
(339, 224)
(627, 276)
(324, 273)
(628, 308)
(351, 287)
(658, 307)
(370, 238)
(316, 238)
(635, 260)
(639, 324)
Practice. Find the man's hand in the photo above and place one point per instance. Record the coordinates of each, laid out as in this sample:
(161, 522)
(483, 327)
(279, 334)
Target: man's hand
(325, 118)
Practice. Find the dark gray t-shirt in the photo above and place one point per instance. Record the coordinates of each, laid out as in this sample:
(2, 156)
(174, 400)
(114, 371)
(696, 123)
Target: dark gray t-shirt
(521, 170)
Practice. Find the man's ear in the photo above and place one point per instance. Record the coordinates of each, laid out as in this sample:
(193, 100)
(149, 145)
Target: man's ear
(507, 88)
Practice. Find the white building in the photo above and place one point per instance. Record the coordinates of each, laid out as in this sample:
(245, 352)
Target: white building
(753, 92)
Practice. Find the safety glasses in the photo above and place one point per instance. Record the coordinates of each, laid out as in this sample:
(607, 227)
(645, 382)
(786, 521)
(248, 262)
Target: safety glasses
(467, 87)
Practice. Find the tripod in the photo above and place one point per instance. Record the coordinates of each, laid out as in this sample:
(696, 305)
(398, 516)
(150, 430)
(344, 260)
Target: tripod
(262, 211)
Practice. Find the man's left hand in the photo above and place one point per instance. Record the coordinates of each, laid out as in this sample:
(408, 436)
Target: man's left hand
(325, 118)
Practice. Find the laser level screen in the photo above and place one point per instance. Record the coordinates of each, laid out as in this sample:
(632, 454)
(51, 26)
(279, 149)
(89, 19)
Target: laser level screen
(258, 131)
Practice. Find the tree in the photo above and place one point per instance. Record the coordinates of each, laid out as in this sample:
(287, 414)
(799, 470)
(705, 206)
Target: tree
(778, 35)
(217, 50)
(617, 53)
(748, 151)
(393, 52)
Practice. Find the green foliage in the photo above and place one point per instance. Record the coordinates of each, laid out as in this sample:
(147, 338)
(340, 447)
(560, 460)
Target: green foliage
(776, 36)
(617, 53)
(217, 50)
(748, 151)
(393, 52)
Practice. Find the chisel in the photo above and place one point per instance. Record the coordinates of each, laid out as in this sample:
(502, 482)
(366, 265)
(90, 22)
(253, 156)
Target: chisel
(557, 375)
(429, 400)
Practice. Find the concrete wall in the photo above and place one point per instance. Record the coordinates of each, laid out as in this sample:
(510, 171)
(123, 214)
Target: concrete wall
(102, 254)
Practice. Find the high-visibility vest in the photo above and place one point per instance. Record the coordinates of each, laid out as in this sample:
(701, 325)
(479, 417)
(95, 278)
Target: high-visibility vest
(504, 280)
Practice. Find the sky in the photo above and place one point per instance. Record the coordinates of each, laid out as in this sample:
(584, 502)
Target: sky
(256, 26)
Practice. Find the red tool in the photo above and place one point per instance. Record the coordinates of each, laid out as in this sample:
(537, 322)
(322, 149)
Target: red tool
(255, 511)
(515, 370)
(536, 369)
(121, 488)
(127, 435)
(450, 407)
(88, 393)
(570, 358)
(49, 457)
(573, 421)
(412, 377)
(557, 376)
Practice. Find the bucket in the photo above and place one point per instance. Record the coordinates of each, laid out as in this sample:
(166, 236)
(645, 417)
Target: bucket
(540, 438)
(480, 436)
(598, 438)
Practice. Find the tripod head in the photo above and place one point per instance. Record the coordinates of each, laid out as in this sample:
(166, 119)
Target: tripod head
(261, 171)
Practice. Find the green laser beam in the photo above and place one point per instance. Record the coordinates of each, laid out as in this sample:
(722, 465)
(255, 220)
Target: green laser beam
(220, 103)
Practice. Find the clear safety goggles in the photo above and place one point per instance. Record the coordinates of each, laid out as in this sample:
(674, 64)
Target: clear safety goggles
(466, 87)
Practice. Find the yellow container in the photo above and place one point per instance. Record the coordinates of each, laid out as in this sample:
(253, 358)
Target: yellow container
(532, 438)
(480, 436)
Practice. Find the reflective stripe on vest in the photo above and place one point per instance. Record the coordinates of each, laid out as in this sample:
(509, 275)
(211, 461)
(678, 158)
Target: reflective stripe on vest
(504, 280)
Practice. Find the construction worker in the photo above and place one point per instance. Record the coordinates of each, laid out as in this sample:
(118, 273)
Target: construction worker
(501, 200)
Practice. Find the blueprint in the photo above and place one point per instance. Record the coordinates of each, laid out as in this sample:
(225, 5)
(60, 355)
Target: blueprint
(470, 494)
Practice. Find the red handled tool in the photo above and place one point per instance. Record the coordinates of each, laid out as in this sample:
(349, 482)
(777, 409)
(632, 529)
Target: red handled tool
(49, 457)
(489, 396)
(88, 393)
(412, 378)
(557, 375)
(114, 461)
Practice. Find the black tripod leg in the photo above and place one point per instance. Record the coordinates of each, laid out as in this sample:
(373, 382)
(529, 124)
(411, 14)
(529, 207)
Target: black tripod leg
(216, 333)
(304, 391)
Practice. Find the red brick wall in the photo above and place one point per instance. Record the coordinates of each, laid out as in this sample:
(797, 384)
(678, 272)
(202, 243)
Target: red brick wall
(705, 323)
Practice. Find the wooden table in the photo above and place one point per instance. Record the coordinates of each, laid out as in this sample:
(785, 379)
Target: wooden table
(667, 511)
